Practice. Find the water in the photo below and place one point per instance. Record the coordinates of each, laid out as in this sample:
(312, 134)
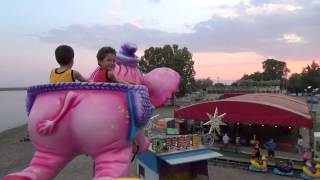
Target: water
(12, 109)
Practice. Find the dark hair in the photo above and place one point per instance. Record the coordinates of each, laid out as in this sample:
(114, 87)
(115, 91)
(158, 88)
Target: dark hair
(64, 54)
(104, 51)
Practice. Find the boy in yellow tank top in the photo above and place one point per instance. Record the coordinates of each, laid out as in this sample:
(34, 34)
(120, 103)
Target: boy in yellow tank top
(64, 73)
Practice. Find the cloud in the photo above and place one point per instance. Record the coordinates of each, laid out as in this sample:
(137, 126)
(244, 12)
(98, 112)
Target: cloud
(292, 38)
(115, 2)
(136, 23)
(115, 14)
(155, 1)
(96, 36)
(226, 13)
(263, 31)
(271, 9)
(245, 9)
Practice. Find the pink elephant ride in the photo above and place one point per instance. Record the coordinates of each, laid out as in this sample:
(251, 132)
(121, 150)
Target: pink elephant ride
(97, 119)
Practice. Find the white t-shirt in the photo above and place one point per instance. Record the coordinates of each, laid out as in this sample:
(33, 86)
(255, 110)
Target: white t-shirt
(237, 140)
(225, 139)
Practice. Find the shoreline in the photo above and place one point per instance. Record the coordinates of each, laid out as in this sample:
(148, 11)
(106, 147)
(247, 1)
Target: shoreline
(14, 89)
(6, 131)
(16, 155)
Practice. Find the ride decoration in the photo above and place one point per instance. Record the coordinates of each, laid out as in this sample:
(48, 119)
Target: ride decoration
(169, 135)
(311, 172)
(215, 121)
(98, 119)
(142, 107)
(259, 165)
(284, 168)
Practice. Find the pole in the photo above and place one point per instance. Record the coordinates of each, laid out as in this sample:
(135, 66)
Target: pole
(174, 101)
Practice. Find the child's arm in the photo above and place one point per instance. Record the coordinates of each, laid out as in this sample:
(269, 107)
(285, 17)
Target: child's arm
(112, 78)
(79, 77)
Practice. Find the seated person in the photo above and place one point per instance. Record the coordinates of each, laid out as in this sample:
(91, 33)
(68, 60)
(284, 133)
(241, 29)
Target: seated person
(64, 73)
(106, 57)
(307, 155)
(285, 166)
(311, 166)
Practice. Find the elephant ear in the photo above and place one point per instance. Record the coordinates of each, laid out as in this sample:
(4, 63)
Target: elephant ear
(161, 84)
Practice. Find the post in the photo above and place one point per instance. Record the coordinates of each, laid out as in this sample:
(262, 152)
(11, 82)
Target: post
(174, 99)
(315, 132)
(316, 129)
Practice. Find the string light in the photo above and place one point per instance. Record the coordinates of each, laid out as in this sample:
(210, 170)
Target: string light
(262, 125)
(289, 127)
(275, 126)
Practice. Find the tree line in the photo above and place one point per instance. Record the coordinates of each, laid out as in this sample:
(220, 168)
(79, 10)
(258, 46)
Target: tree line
(275, 72)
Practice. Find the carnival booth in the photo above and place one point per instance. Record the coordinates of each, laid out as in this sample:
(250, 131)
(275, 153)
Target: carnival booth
(178, 150)
(263, 115)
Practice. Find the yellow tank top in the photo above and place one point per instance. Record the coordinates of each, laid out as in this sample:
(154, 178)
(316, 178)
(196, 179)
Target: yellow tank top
(66, 76)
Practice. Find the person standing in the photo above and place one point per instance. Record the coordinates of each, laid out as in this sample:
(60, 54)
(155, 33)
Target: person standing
(225, 140)
(270, 146)
(299, 145)
(256, 150)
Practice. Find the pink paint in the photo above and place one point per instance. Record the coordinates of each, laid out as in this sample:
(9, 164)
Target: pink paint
(66, 123)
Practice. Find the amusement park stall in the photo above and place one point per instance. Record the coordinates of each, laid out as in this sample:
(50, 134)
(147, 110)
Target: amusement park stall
(178, 151)
(257, 109)
(182, 165)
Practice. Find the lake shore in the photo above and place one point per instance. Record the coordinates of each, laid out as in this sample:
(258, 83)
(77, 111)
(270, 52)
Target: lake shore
(16, 155)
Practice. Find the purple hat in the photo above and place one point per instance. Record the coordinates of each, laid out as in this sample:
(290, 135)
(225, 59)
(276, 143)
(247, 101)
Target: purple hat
(126, 55)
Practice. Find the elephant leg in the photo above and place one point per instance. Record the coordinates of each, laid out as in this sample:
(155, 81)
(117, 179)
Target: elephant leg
(43, 166)
(112, 163)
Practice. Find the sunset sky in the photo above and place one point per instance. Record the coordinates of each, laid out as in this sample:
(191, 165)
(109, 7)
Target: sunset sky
(227, 38)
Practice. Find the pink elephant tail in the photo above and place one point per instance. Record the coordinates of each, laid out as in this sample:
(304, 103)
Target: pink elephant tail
(47, 126)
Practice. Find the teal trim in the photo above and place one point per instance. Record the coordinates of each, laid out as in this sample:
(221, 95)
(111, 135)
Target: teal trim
(133, 129)
(149, 159)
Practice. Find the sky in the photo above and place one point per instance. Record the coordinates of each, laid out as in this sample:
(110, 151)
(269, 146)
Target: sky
(227, 38)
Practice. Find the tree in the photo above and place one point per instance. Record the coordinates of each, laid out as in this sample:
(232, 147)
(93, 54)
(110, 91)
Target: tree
(295, 83)
(203, 83)
(274, 72)
(177, 59)
(256, 76)
(274, 69)
(219, 85)
(311, 75)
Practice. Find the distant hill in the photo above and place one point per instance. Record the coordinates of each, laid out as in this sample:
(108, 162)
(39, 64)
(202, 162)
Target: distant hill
(13, 89)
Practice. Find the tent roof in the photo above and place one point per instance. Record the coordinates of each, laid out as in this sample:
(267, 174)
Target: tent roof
(258, 108)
